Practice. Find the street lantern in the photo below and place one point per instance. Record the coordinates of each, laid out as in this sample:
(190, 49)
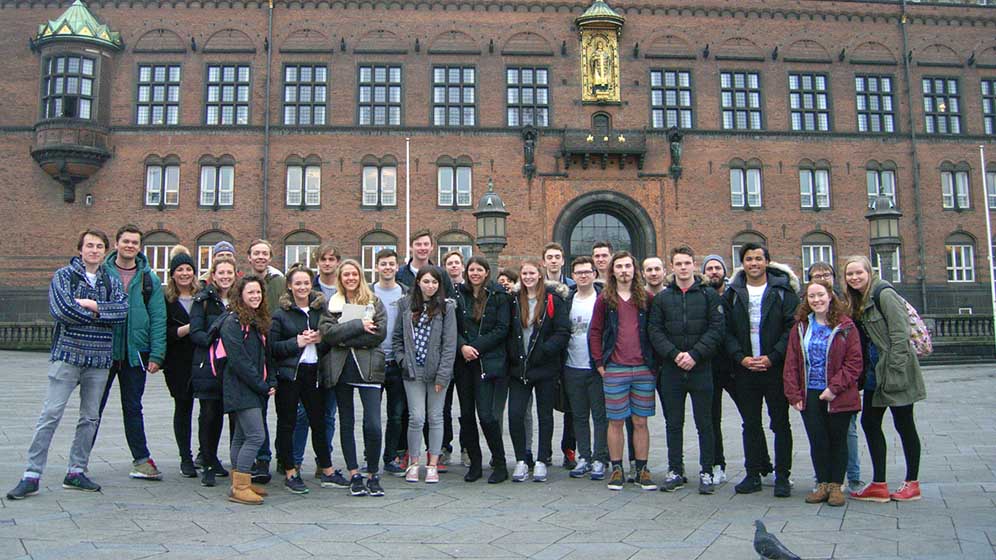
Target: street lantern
(883, 233)
(491, 221)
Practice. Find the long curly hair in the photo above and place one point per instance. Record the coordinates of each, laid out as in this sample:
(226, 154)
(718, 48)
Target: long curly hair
(611, 291)
(248, 316)
(835, 312)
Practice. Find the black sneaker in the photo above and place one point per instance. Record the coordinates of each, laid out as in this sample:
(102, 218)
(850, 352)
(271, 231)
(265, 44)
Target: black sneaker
(187, 468)
(219, 470)
(199, 460)
(357, 486)
(79, 481)
(207, 477)
(706, 483)
(261, 472)
(673, 481)
(373, 486)
(295, 485)
(498, 475)
(783, 487)
(26, 487)
(750, 484)
(334, 480)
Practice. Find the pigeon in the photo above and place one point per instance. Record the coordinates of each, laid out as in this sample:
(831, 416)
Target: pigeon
(770, 547)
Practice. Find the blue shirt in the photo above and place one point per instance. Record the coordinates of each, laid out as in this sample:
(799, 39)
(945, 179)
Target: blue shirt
(817, 345)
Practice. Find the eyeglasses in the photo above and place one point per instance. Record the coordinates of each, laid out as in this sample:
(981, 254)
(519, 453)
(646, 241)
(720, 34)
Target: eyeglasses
(821, 276)
(583, 272)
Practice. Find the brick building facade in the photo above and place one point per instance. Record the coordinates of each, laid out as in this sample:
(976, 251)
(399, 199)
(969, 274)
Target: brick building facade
(791, 112)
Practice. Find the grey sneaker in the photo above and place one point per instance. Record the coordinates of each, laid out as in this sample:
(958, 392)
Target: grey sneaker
(706, 485)
(598, 470)
(79, 481)
(673, 481)
(582, 468)
(539, 472)
(146, 470)
(521, 472)
(26, 487)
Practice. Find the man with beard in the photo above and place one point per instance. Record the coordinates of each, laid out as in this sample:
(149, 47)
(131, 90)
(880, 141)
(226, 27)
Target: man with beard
(714, 270)
(653, 275)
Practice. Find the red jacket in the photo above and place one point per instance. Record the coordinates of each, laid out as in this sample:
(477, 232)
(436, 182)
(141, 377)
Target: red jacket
(843, 366)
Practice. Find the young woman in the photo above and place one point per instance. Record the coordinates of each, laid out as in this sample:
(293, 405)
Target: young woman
(355, 361)
(247, 381)
(424, 343)
(822, 365)
(540, 330)
(483, 315)
(893, 381)
(208, 305)
(180, 289)
(297, 345)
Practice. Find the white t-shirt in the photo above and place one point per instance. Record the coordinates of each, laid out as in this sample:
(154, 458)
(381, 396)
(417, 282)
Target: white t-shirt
(756, 293)
(310, 354)
(577, 348)
(91, 277)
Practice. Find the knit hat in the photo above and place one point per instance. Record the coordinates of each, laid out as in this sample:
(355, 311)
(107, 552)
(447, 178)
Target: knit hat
(223, 247)
(708, 258)
(178, 260)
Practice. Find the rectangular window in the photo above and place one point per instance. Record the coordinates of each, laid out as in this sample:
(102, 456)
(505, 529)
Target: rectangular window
(380, 185)
(368, 260)
(454, 95)
(991, 189)
(379, 100)
(814, 188)
(217, 185)
(158, 256)
(809, 102)
(162, 181)
(466, 250)
(158, 101)
(814, 254)
(894, 265)
(989, 106)
(227, 95)
(960, 263)
(527, 96)
(941, 105)
(205, 254)
(740, 100)
(67, 87)
(454, 186)
(305, 94)
(745, 188)
(294, 254)
(954, 190)
(670, 98)
(876, 112)
(304, 185)
(881, 182)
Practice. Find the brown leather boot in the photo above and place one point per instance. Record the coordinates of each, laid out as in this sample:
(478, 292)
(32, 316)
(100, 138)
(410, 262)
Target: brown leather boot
(819, 494)
(836, 497)
(242, 490)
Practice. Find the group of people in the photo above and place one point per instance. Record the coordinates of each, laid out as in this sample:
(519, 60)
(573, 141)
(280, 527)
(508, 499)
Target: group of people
(599, 339)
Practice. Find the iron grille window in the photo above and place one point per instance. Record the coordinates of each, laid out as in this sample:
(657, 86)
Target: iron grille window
(305, 94)
(380, 95)
(809, 102)
(227, 95)
(873, 96)
(454, 95)
(942, 105)
(158, 94)
(527, 96)
(740, 101)
(671, 98)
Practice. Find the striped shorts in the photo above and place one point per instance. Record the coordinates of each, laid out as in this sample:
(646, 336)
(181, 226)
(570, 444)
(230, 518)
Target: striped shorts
(629, 391)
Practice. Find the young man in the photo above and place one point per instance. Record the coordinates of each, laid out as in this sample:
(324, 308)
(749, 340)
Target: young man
(623, 356)
(327, 256)
(582, 383)
(553, 265)
(86, 304)
(714, 269)
(421, 254)
(601, 252)
(762, 301)
(686, 329)
(653, 275)
(389, 291)
(139, 343)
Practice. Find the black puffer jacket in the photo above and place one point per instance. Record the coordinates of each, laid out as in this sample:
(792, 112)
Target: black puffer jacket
(248, 376)
(179, 352)
(686, 321)
(551, 333)
(488, 335)
(778, 307)
(206, 308)
(288, 322)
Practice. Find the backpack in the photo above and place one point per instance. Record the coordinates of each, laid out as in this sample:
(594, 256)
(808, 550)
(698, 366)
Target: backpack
(217, 355)
(920, 338)
(146, 287)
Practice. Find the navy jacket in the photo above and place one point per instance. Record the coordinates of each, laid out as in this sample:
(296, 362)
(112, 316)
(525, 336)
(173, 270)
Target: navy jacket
(778, 305)
(248, 377)
(487, 336)
(686, 321)
(543, 357)
(206, 309)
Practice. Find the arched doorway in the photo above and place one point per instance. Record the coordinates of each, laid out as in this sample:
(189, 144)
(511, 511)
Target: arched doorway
(605, 216)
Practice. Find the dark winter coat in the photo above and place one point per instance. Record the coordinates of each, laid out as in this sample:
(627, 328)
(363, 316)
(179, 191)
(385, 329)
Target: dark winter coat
(686, 321)
(349, 340)
(248, 375)
(843, 365)
(406, 277)
(288, 322)
(206, 309)
(543, 357)
(778, 305)
(179, 352)
(486, 336)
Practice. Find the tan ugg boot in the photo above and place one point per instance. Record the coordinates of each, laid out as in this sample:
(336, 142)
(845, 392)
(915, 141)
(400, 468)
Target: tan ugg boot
(836, 497)
(819, 494)
(242, 490)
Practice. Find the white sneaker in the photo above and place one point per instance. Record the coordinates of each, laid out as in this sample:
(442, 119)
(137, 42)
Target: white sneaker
(769, 480)
(521, 472)
(581, 469)
(718, 475)
(598, 470)
(539, 472)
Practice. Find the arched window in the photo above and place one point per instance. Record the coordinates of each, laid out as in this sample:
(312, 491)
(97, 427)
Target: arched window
(380, 181)
(454, 241)
(454, 182)
(814, 184)
(960, 250)
(745, 184)
(742, 239)
(955, 193)
(162, 181)
(304, 182)
(881, 181)
(205, 248)
(298, 248)
(370, 245)
(816, 247)
(217, 182)
(156, 246)
(601, 124)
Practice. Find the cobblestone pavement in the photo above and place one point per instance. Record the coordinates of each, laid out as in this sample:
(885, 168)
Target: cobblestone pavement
(563, 518)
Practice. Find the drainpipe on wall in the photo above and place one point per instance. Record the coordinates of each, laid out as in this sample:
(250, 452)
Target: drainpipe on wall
(921, 251)
(266, 126)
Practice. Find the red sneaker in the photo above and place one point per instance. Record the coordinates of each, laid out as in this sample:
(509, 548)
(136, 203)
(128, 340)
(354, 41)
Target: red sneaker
(440, 465)
(874, 492)
(908, 492)
(403, 463)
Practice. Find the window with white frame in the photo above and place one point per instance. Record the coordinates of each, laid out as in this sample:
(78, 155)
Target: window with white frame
(739, 241)
(816, 247)
(217, 186)
(205, 250)
(894, 266)
(809, 102)
(156, 247)
(298, 249)
(466, 250)
(745, 187)
(304, 185)
(960, 259)
(671, 98)
(814, 188)
(880, 181)
(162, 182)
(954, 190)
(370, 245)
(453, 186)
(991, 189)
(380, 185)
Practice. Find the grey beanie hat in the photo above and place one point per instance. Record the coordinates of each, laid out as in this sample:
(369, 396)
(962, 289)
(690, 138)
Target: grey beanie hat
(708, 258)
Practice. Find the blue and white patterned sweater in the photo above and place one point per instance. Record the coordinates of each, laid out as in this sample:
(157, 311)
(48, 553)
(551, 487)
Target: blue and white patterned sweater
(80, 338)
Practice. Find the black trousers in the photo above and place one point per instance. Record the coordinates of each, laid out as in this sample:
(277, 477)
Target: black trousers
(754, 389)
(305, 390)
(673, 387)
(720, 382)
(902, 419)
(372, 435)
(395, 440)
(481, 400)
(209, 423)
(827, 438)
(518, 397)
(183, 412)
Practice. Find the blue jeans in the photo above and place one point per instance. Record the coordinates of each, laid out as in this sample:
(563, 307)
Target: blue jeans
(853, 455)
(300, 440)
(131, 381)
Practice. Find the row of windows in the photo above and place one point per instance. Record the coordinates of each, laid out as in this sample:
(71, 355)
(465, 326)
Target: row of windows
(67, 91)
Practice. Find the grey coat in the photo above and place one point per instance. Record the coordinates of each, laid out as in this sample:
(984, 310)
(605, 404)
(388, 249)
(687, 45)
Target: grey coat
(438, 368)
(348, 340)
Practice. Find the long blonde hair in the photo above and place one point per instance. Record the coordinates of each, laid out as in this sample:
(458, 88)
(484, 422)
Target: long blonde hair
(172, 291)
(364, 294)
(856, 300)
(524, 295)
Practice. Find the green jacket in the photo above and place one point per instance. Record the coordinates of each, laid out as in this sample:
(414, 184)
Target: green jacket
(145, 328)
(276, 286)
(898, 379)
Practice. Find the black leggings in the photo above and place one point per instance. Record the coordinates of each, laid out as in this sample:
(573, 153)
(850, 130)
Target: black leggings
(303, 389)
(827, 434)
(518, 398)
(183, 411)
(902, 419)
(209, 422)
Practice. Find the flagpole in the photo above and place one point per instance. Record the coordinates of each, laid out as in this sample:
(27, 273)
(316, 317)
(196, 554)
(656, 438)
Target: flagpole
(408, 200)
(989, 235)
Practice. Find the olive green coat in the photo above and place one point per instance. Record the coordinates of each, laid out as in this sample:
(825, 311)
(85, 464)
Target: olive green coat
(898, 379)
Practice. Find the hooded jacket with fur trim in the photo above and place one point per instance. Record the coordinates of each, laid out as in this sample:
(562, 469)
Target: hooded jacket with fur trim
(288, 322)
(778, 305)
(542, 358)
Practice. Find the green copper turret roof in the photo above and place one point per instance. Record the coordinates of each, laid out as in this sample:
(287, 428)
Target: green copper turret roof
(77, 23)
(599, 11)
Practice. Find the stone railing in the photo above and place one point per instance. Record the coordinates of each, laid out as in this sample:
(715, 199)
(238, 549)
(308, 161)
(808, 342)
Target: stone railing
(960, 339)
(943, 327)
(26, 336)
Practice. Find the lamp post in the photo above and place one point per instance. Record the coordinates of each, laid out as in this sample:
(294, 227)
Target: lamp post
(883, 233)
(491, 234)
